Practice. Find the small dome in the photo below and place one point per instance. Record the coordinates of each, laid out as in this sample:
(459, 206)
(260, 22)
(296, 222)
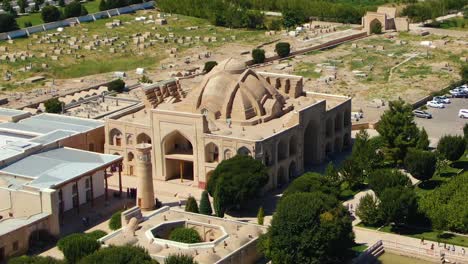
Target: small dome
(233, 66)
(207, 258)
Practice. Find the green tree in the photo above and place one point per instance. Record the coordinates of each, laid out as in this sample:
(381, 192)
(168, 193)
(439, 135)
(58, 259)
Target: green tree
(292, 18)
(368, 210)
(191, 205)
(179, 259)
(61, 3)
(22, 5)
(117, 85)
(115, 221)
(103, 5)
(8, 8)
(74, 9)
(260, 216)
(76, 246)
(185, 235)
(382, 179)
(7, 23)
(50, 14)
(398, 205)
(423, 141)
(53, 105)
(209, 65)
(309, 228)
(34, 260)
(446, 206)
(332, 175)
(398, 129)
(275, 24)
(376, 28)
(205, 205)
(365, 155)
(451, 147)
(311, 182)
(145, 79)
(258, 55)
(237, 181)
(351, 173)
(421, 164)
(282, 49)
(119, 255)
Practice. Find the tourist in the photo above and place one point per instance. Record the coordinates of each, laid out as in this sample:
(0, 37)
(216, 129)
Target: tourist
(432, 246)
(422, 240)
(463, 251)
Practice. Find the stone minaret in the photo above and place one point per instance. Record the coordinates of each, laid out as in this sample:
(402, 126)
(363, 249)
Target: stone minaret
(145, 190)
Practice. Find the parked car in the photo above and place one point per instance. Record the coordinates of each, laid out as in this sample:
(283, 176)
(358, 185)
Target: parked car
(458, 93)
(442, 99)
(422, 114)
(463, 88)
(435, 104)
(463, 113)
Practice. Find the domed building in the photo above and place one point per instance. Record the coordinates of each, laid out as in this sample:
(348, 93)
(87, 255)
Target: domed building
(235, 110)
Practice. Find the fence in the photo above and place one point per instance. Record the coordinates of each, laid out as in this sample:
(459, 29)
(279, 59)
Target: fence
(25, 32)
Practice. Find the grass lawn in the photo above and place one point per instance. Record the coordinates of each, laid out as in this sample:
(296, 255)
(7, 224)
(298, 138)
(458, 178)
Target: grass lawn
(427, 234)
(36, 19)
(455, 24)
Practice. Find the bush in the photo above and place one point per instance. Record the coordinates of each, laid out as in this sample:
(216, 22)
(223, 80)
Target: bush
(451, 147)
(209, 65)
(368, 210)
(283, 49)
(27, 24)
(421, 164)
(35, 260)
(54, 106)
(191, 205)
(205, 205)
(116, 86)
(119, 255)
(258, 55)
(74, 9)
(381, 179)
(179, 259)
(50, 14)
(41, 239)
(275, 24)
(398, 205)
(260, 216)
(7, 23)
(185, 235)
(423, 141)
(96, 234)
(311, 182)
(145, 79)
(116, 221)
(76, 246)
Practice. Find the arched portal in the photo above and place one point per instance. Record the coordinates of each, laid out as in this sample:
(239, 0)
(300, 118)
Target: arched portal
(310, 143)
(115, 137)
(178, 154)
(244, 151)
(329, 127)
(347, 118)
(338, 122)
(211, 152)
(346, 141)
(143, 138)
(337, 145)
(375, 27)
(328, 149)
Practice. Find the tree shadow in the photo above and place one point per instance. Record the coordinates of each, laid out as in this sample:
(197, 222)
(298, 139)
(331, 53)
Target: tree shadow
(459, 164)
(404, 230)
(430, 185)
(447, 174)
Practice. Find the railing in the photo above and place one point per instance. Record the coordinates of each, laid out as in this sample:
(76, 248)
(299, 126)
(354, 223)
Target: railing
(21, 33)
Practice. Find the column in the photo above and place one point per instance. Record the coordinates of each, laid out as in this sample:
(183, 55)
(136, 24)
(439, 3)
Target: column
(120, 180)
(92, 189)
(145, 189)
(181, 170)
(106, 186)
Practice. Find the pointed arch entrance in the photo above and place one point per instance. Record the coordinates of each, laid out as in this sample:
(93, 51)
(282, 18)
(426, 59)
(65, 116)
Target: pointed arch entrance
(178, 157)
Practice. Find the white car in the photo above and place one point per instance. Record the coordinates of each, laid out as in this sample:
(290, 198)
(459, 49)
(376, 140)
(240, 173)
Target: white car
(463, 113)
(442, 99)
(435, 104)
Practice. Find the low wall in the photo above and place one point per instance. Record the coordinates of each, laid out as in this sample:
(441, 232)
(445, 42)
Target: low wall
(25, 32)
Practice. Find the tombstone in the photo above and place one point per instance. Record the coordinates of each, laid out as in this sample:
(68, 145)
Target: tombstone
(380, 48)
(3, 48)
(354, 45)
(44, 65)
(54, 58)
(112, 50)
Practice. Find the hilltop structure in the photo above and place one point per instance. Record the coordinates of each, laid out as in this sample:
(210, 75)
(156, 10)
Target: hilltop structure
(234, 110)
(388, 19)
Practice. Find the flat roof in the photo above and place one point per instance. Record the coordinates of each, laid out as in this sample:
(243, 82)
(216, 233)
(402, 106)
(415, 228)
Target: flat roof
(11, 112)
(45, 123)
(58, 166)
(11, 224)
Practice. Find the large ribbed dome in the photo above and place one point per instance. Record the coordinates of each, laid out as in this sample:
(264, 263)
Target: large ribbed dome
(231, 91)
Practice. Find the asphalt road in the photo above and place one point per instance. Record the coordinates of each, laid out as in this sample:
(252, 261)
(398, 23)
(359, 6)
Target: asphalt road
(444, 121)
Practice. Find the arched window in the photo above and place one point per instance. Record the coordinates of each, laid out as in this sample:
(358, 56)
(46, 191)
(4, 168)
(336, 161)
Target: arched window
(115, 137)
(129, 139)
(227, 154)
(130, 156)
(292, 146)
(282, 150)
(143, 138)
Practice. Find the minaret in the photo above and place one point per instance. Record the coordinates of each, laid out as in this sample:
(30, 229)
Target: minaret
(145, 190)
